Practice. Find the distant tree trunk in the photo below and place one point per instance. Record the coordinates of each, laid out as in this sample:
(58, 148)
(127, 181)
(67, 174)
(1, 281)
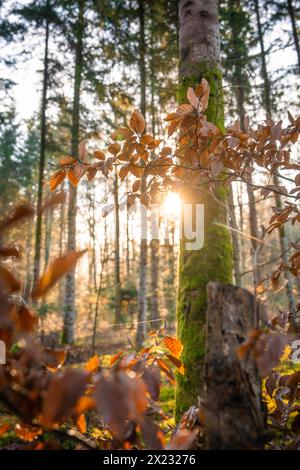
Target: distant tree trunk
(233, 404)
(118, 293)
(142, 294)
(38, 227)
(268, 109)
(235, 240)
(294, 30)
(254, 232)
(70, 310)
(61, 250)
(48, 234)
(127, 240)
(199, 50)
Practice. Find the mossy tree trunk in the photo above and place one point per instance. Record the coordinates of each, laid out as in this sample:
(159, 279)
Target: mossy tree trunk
(199, 52)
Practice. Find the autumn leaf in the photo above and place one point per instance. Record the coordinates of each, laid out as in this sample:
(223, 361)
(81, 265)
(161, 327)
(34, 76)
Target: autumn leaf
(65, 161)
(55, 271)
(74, 180)
(99, 155)
(81, 423)
(115, 358)
(18, 214)
(173, 345)
(114, 149)
(177, 363)
(136, 186)
(122, 134)
(4, 428)
(124, 170)
(57, 178)
(93, 364)
(54, 200)
(8, 281)
(26, 432)
(137, 122)
(10, 252)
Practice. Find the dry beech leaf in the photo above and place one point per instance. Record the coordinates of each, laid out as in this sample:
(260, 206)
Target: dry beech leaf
(18, 214)
(81, 423)
(10, 252)
(136, 186)
(173, 345)
(99, 155)
(177, 363)
(64, 161)
(137, 122)
(74, 180)
(54, 200)
(57, 178)
(114, 149)
(115, 358)
(4, 428)
(55, 271)
(8, 281)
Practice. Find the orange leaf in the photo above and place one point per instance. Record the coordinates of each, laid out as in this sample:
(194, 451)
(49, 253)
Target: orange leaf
(93, 364)
(55, 271)
(177, 363)
(123, 172)
(74, 180)
(26, 432)
(8, 281)
(115, 358)
(19, 213)
(56, 179)
(136, 186)
(81, 423)
(4, 428)
(173, 345)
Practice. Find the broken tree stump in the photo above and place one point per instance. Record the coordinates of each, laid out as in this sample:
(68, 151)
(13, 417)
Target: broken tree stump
(233, 408)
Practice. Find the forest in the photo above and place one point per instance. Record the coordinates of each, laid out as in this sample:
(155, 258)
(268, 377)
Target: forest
(149, 226)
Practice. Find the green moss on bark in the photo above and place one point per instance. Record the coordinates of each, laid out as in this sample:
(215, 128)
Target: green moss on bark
(197, 268)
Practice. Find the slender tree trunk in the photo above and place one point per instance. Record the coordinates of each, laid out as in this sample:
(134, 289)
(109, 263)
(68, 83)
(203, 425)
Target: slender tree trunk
(118, 293)
(38, 227)
(70, 310)
(235, 240)
(294, 30)
(267, 101)
(199, 51)
(48, 235)
(142, 294)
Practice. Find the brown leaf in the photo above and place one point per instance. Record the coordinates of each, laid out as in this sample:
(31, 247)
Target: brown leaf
(137, 122)
(152, 435)
(124, 170)
(114, 149)
(99, 155)
(10, 251)
(177, 363)
(54, 200)
(82, 151)
(57, 178)
(136, 186)
(27, 319)
(63, 393)
(55, 271)
(4, 428)
(122, 133)
(173, 345)
(8, 281)
(54, 358)
(183, 440)
(65, 161)
(18, 214)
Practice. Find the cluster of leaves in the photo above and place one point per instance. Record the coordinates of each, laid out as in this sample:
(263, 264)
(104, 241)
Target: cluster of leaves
(49, 398)
(202, 150)
(272, 350)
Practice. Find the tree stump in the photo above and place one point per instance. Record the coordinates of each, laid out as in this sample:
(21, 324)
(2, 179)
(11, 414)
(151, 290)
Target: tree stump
(233, 408)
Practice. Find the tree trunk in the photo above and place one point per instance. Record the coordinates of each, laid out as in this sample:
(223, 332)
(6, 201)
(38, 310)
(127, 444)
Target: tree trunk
(70, 311)
(38, 227)
(233, 406)
(267, 101)
(199, 50)
(118, 293)
(235, 241)
(142, 294)
(294, 30)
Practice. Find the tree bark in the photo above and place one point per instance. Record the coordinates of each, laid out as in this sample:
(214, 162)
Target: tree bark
(142, 294)
(235, 241)
(294, 30)
(199, 50)
(70, 310)
(118, 293)
(38, 227)
(233, 406)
